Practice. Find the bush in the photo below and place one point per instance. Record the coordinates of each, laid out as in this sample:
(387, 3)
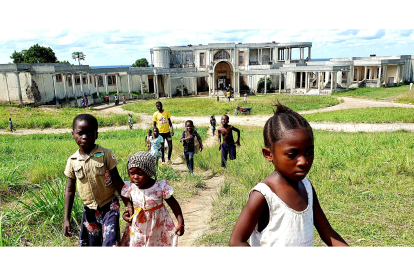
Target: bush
(260, 85)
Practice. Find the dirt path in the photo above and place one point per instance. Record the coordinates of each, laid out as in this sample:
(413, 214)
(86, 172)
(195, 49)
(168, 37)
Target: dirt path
(252, 120)
(197, 209)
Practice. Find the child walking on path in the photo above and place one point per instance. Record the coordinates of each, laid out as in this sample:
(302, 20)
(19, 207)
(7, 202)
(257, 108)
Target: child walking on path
(11, 125)
(282, 210)
(130, 121)
(213, 123)
(245, 97)
(92, 169)
(151, 224)
(156, 141)
(228, 147)
(188, 138)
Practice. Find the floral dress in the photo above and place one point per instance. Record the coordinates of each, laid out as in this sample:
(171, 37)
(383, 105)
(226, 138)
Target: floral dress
(158, 227)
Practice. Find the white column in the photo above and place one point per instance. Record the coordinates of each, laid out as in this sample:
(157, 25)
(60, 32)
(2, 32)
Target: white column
(182, 87)
(106, 84)
(89, 83)
(96, 84)
(285, 82)
(64, 86)
(306, 81)
(117, 87)
(280, 81)
(155, 86)
(318, 79)
(129, 85)
(19, 89)
(265, 86)
(238, 83)
(397, 75)
(73, 87)
(331, 76)
(169, 86)
(335, 78)
(214, 85)
(365, 73)
(142, 89)
(309, 53)
(81, 83)
(234, 80)
(347, 80)
(370, 73)
(54, 88)
(301, 79)
(385, 75)
(209, 85)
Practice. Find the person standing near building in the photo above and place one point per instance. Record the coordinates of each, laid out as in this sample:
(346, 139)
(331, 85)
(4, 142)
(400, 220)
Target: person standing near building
(11, 125)
(162, 118)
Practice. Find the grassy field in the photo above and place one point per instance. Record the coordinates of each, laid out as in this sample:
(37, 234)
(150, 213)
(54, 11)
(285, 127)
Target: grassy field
(399, 94)
(365, 115)
(28, 117)
(259, 104)
(32, 183)
(363, 181)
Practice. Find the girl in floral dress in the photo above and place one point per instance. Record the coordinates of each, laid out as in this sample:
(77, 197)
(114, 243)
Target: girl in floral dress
(151, 224)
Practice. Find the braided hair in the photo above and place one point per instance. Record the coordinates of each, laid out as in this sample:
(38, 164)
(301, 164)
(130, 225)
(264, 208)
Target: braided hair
(283, 119)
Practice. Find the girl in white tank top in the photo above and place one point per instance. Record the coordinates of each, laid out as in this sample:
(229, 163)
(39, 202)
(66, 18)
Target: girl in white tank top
(283, 208)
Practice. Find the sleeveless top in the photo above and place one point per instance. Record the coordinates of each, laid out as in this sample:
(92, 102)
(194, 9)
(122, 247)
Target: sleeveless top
(286, 227)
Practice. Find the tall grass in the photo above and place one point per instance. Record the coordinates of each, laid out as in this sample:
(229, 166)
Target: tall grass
(363, 181)
(365, 115)
(399, 93)
(28, 117)
(207, 106)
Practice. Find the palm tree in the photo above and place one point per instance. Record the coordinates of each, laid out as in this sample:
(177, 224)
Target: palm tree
(79, 56)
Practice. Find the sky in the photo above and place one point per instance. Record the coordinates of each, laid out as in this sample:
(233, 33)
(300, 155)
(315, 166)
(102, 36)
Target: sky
(111, 34)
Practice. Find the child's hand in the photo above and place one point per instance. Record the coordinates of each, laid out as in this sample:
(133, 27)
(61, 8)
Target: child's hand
(238, 144)
(179, 230)
(126, 216)
(66, 229)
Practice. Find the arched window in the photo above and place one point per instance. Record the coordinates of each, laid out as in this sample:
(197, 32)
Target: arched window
(222, 55)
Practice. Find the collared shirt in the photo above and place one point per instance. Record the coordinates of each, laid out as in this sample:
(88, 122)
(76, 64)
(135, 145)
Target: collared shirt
(92, 176)
(188, 145)
(162, 120)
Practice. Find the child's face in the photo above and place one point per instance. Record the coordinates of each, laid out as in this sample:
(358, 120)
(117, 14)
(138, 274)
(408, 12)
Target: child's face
(224, 120)
(84, 135)
(292, 156)
(189, 126)
(138, 176)
(158, 106)
(155, 132)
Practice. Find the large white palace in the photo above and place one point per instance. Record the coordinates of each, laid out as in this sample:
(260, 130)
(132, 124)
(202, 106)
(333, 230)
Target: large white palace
(204, 69)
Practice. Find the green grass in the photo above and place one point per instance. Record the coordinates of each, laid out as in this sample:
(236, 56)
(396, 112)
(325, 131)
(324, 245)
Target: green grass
(365, 115)
(32, 183)
(28, 117)
(206, 106)
(363, 181)
(399, 93)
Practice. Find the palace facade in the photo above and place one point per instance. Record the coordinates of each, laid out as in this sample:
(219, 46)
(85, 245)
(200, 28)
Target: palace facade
(204, 69)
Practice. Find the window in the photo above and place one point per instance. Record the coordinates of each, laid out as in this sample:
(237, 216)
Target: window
(202, 61)
(222, 55)
(84, 78)
(77, 80)
(241, 58)
(69, 79)
(100, 81)
(58, 77)
(111, 80)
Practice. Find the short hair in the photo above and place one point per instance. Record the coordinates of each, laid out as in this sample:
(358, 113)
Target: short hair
(189, 121)
(158, 103)
(155, 128)
(283, 119)
(93, 122)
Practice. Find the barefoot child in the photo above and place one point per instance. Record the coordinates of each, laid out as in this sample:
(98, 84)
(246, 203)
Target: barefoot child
(11, 125)
(228, 147)
(151, 224)
(188, 138)
(213, 123)
(156, 141)
(94, 169)
(130, 120)
(282, 210)
(147, 139)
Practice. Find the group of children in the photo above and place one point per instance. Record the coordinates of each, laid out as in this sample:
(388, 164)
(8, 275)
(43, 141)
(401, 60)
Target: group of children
(281, 210)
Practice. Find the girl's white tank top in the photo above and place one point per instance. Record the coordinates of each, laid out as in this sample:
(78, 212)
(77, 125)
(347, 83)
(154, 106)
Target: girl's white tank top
(286, 227)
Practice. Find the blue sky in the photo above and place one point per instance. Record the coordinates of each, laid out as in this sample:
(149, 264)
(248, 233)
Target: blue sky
(110, 39)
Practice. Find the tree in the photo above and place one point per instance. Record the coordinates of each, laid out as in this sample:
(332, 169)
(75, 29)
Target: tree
(35, 54)
(143, 62)
(260, 85)
(79, 56)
